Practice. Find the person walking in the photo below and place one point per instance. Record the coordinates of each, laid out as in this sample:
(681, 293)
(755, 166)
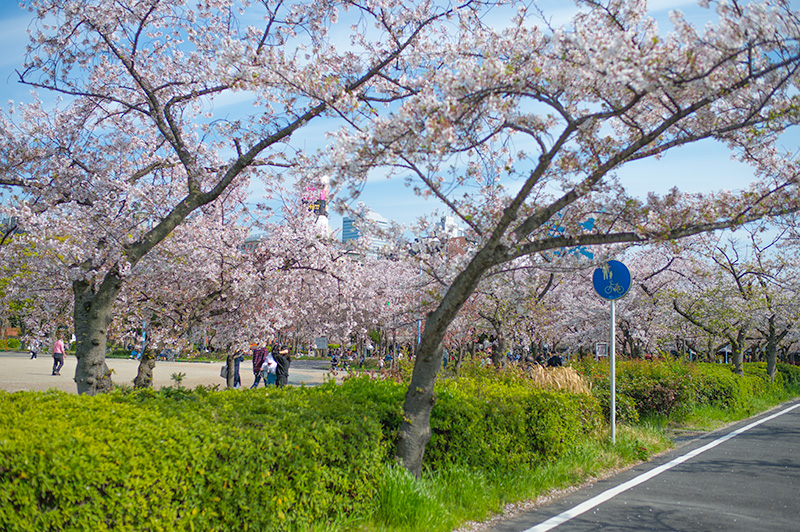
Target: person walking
(258, 361)
(58, 356)
(282, 371)
(270, 367)
(34, 348)
(237, 379)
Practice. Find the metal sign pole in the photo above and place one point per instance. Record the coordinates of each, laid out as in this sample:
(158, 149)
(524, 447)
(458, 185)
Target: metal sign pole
(612, 356)
(612, 281)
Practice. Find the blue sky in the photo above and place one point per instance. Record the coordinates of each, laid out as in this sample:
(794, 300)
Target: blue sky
(697, 168)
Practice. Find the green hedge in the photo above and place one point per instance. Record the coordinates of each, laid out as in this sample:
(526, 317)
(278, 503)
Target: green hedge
(10, 344)
(486, 424)
(304, 458)
(671, 389)
(277, 459)
(791, 376)
(185, 460)
(664, 389)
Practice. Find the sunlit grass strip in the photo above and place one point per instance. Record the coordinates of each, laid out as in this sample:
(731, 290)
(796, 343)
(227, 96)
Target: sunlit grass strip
(448, 498)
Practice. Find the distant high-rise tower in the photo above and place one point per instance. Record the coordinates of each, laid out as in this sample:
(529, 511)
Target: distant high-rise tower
(449, 228)
(368, 225)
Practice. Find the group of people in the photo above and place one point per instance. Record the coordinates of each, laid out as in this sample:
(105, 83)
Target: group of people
(271, 365)
(551, 361)
(345, 360)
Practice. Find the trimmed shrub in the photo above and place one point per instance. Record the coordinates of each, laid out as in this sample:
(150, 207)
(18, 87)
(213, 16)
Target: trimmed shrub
(480, 423)
(719, 386)
(644, 388)
(626, 411)
(791, 376)
(10, 344)
(671, 389)
(264, 460)
(267, 459)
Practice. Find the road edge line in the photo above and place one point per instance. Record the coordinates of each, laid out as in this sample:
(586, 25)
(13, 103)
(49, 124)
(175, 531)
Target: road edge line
(587, 505)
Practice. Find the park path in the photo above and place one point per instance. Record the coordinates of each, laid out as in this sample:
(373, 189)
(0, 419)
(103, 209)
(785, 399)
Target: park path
(18, 372)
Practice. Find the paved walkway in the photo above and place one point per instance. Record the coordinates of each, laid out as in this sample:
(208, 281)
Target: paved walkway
(18, 372)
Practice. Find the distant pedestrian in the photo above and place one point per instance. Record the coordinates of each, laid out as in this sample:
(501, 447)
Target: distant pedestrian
(34, 348)
(258, 361)
(283, 358)
(237, 379)
(270, 368)
(58, 356)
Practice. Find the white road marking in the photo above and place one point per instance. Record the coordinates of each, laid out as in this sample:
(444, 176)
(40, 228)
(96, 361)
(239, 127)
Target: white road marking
(613, 492)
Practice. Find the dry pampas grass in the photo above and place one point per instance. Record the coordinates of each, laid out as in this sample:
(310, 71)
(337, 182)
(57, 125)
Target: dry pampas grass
(563, 378)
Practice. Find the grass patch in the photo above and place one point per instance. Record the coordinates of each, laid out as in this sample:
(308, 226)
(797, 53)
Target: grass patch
(707, 418)
(441, 501)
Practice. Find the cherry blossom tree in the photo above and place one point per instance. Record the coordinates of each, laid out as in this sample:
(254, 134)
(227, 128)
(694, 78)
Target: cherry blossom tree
(760, 276)
(140, 137)
(555, 112)
(35, 284)
(183, 288)
(512, 300)
(722, 297)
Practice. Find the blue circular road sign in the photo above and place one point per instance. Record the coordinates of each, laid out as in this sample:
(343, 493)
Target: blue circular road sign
(612, 280)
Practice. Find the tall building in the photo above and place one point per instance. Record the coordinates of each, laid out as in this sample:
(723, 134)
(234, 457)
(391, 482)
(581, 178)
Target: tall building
(368, 225)
(448, 227)
(349, 229)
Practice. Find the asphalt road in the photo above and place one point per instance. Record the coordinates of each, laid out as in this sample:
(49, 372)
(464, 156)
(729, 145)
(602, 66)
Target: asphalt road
(743, 478)
(18, 372)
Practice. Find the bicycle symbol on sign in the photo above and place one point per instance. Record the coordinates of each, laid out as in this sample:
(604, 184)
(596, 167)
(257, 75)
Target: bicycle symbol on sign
(614, 288)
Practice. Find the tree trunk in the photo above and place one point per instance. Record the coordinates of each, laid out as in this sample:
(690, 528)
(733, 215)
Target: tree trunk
(144, 377)
(737, 348)
(231, 373)
(499, 348)
(92, 315)
(415, 431)
(460, 358)
(773, 339)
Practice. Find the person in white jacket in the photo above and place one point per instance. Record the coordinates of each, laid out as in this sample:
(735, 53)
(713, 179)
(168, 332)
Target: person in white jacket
(269, 368)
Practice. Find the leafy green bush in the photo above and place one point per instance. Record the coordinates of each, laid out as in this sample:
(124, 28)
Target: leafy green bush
(482, 423)
(263, 460)
(644, 388)
(10, 344)
(791, 376)
(671, 389)
(626, 411)
(660, 388)
(719, 386)
(267, 459)
(761, 383)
